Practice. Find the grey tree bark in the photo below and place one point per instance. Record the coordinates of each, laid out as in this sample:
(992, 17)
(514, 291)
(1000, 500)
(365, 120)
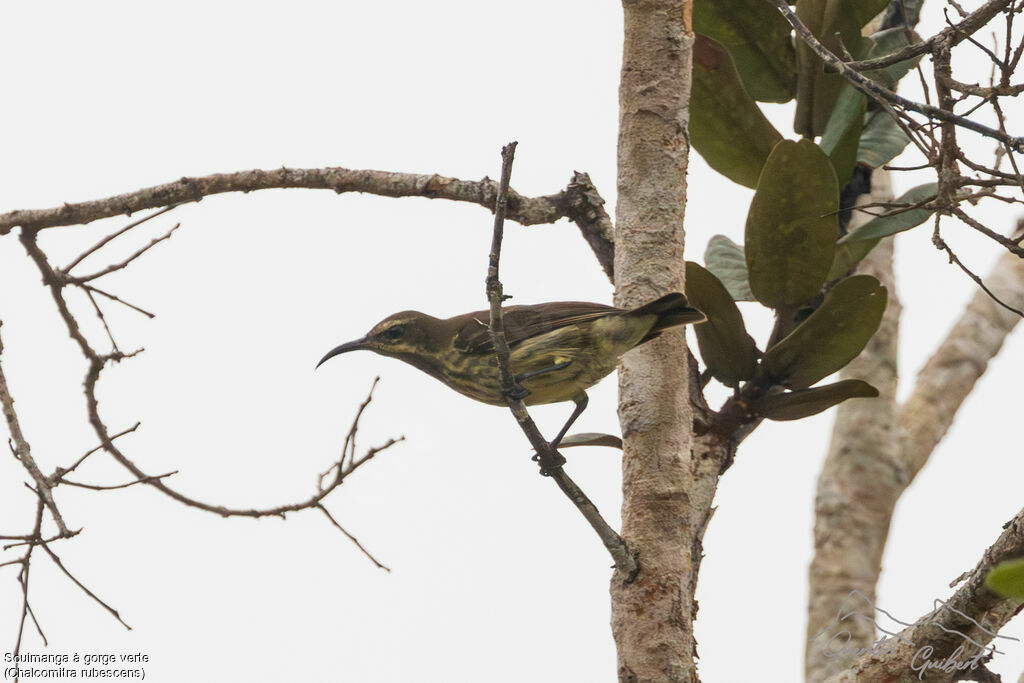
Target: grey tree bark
(860, 481)
(652, 617)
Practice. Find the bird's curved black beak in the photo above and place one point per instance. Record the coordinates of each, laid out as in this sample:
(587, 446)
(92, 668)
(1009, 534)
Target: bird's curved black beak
(348, 346)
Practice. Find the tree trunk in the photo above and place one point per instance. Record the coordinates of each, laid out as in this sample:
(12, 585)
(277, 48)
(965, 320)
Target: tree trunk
(859, 484)
(652, 617)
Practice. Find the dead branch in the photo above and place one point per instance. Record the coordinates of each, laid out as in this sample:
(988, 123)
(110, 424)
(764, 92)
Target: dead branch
(23, 452)
(579, 201)
(57, 281)
(969, 619)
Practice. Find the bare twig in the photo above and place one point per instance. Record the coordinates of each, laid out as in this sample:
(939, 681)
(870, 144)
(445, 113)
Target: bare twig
(881, 94)
(579, 201)
(956, 33)
(953, 258)
(111, 487)
(352, 538)
(61, 471)
(124, 264)
(97, 362)
(23, 576)
(103, 319)
(91, 289)
(550, 460)
(109, 238)
(57, 561)
(1009, 244)
(23, 452)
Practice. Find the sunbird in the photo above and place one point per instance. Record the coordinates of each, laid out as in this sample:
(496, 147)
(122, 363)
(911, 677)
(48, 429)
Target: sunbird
(557, 350)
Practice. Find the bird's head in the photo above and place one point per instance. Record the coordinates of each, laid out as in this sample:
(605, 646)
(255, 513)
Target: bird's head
(406, 335)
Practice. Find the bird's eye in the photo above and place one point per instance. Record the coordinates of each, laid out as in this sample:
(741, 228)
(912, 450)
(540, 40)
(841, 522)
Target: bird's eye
(393, 333)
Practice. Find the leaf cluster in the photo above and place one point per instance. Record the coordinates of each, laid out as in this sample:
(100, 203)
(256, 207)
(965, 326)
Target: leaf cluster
(789, 254)
(795, 259)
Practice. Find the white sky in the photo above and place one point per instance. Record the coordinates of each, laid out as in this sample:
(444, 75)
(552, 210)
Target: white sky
(495, 575)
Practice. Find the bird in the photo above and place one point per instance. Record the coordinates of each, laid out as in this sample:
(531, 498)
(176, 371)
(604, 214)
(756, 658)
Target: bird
(557, 350)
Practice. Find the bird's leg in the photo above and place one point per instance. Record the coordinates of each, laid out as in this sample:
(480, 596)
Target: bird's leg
(581, 405)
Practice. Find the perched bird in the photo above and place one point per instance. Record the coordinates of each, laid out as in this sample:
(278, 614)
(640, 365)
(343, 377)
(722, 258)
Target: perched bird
(556, 350)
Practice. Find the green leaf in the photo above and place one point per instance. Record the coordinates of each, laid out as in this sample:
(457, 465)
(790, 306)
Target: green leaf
(842, 136)
(864, 11)
(855, 245)
(726, 125)
(882, 140)
(794, 405)
(591, 439)
(728, 351)
(758, 38)
(886, 43)
(792, 225)
(816, 91)
(837, 25)
(848, 255)
(1007, 579)
(897, 219)
(726, 261)
(831, 336)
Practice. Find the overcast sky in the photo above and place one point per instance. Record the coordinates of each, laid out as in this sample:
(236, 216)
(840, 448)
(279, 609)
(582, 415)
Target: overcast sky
(495, 576)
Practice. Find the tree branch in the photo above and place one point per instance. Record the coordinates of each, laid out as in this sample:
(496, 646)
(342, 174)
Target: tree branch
(23, 452)
(97, 362)
(550, 460)
(960, 360)
(579, 201)
(861, 478)
(951, 34)
(864, 478)
(879, 93)
(974, 614)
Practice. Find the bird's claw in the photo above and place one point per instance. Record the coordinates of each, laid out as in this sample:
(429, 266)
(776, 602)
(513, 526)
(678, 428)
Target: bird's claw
(553, 463)
(518, 393)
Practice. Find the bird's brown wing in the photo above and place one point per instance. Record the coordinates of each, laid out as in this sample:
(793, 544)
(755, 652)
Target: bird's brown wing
(523, 322)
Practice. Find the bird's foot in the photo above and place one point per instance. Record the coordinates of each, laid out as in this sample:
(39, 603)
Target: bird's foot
(518, 392)
(549, 464)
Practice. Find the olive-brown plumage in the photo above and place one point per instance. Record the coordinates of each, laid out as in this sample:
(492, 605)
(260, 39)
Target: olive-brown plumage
(556, 350)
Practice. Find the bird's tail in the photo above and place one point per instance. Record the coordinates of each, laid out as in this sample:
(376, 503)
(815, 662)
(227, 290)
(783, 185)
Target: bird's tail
(672, 310)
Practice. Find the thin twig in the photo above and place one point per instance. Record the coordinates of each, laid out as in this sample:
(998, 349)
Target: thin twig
(23, 577)
(36, 539)
(941, 244)
(98, 362)
(124, 264)
(97, 290)
(57, 561)
(352, 538)
(23, 451)
(550, 460)
(111, 487)
(103, 319)
(61, 471)
(956, 33)
(1009, 244)
(880, 93)
(109, 238)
